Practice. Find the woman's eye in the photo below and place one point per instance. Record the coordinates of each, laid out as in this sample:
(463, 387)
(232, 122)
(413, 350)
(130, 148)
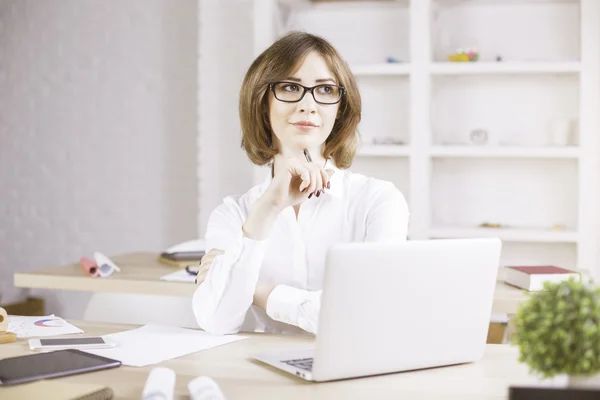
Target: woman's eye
(291, 88)
(325, 89)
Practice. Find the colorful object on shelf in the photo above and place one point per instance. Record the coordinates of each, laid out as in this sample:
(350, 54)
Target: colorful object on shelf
(392, 60)
(490, 225)
(558, 228)
(464, 55)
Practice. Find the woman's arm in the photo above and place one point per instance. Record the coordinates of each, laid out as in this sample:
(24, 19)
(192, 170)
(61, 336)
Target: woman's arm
(387, 218)
(227, 291)
(222, 299)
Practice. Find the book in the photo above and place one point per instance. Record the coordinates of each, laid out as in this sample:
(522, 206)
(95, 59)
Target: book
(532, 278)
(178, 264)
(550, 393)
(183, 254)
(55, 389)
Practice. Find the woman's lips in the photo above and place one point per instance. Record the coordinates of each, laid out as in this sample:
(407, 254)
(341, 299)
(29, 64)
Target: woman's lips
(305, 126)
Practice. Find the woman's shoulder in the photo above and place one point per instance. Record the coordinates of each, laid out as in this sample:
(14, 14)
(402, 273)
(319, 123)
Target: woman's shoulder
(365, 193)
(358, 184)
(239, 204)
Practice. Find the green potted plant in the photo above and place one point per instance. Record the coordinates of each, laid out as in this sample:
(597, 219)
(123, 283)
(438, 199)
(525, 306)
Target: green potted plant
(557, 331)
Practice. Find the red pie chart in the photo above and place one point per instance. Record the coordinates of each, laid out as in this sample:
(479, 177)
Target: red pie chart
(48, 323)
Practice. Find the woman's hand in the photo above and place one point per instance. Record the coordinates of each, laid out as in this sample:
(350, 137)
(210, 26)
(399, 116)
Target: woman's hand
(205, 264)
(295, 181)
(261, 294)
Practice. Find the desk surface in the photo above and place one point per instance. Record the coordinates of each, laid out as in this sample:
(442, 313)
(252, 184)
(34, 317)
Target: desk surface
(243, 378)
(141, 272)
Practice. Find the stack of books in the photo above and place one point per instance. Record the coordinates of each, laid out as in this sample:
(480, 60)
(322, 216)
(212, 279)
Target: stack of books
(183, 254)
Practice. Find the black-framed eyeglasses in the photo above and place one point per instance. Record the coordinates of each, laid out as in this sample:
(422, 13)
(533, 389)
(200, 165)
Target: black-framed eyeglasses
(291, 92)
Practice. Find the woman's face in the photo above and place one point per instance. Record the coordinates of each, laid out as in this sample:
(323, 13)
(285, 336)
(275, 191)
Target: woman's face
(305, 124)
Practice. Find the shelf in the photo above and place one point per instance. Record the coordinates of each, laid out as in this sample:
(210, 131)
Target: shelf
(383, 150)
(384, 69)
(507, 235)
(503, 2)
(483, 151)
(505, 67)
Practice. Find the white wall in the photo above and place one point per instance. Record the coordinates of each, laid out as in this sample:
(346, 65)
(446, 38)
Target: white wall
(225, 43)
(97, 132)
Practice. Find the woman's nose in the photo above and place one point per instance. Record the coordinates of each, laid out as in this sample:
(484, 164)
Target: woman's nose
(308, 103)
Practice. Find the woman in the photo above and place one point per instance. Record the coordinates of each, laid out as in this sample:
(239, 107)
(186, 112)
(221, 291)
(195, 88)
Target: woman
(299, 110)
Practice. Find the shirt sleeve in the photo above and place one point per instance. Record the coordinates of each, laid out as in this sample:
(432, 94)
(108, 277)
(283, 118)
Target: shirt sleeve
(387, 218)
(221, 301)
(295, 307)
(388, 215)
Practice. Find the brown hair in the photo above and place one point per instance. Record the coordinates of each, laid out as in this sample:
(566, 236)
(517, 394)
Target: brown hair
(276, 63)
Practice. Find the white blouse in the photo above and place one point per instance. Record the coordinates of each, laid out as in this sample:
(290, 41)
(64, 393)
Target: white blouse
(355, 209)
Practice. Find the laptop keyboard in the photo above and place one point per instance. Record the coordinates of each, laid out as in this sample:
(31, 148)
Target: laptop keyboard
(302, 363)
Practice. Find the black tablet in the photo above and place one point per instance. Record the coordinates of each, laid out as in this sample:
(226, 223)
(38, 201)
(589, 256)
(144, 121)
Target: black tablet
(54, 364)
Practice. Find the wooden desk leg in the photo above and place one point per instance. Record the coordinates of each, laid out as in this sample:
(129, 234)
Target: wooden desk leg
(496, 333)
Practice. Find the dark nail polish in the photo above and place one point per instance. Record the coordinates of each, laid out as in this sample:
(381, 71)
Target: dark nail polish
(318, 193)
(328, 185)
(310, 195)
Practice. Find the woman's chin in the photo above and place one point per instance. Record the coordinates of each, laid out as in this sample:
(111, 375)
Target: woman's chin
(305, 140)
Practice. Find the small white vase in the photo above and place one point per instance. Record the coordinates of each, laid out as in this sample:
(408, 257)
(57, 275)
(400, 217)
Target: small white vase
(584, 382)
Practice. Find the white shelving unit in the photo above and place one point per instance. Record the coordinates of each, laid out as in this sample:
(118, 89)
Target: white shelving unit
(384, 151)
(529, 79)
(390, 69)
(507, 235)
(522, 68)
(505, 152)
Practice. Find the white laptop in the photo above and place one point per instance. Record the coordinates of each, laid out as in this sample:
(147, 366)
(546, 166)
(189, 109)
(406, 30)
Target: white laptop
(398, 306)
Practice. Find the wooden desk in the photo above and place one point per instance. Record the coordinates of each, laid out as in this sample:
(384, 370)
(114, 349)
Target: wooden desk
(242, 378)
(141, 272)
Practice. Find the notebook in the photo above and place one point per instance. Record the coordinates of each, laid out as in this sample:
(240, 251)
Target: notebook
(57, 390)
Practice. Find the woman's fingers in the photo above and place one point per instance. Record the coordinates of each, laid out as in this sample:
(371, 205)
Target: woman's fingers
(208, 258)
(305, 176)
(297, 169)
(316, 175)
(313, 178)
(206, 262)
(326, 176)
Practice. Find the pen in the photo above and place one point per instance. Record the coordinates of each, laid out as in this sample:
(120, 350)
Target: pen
(307, 155)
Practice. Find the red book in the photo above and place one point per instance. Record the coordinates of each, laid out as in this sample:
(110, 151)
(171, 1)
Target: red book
(532, 278)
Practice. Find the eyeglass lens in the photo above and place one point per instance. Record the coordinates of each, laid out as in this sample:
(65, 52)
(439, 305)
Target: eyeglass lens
(291, 92)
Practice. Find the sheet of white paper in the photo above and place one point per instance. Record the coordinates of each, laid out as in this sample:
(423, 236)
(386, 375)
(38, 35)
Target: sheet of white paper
(190, 245)
(51, 325)
(179, 276)
(154, 343)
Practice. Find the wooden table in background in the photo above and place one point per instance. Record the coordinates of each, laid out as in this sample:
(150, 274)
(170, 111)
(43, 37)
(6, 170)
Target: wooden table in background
(141, 272)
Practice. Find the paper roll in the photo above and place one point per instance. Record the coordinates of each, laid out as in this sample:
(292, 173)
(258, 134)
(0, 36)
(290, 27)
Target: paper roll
(204, 388)
(3, 320)
(105, 265)
(160, 384)
(90, 267)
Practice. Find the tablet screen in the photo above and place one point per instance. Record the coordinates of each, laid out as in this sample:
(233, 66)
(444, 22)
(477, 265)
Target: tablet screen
(51, 365)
